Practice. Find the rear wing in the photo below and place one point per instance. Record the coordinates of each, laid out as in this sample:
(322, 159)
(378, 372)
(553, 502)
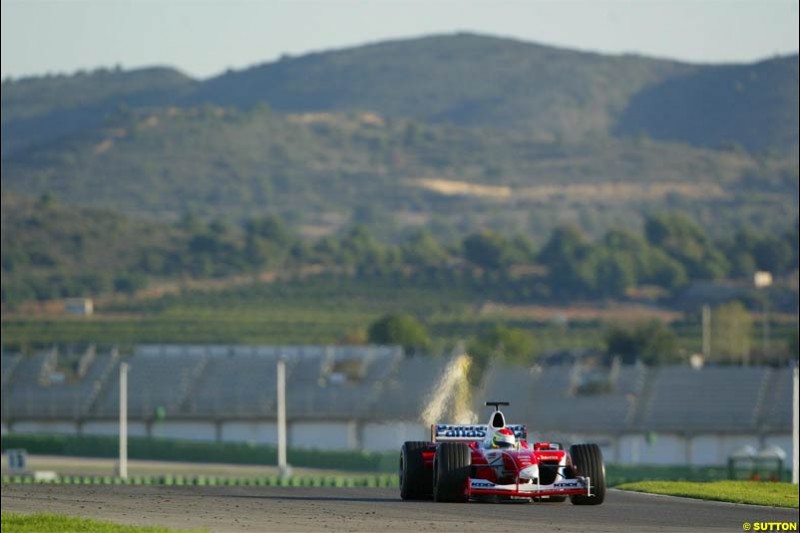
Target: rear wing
(471, 432)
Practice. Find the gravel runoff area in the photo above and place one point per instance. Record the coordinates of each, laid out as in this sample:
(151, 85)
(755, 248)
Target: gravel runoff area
(258, 509)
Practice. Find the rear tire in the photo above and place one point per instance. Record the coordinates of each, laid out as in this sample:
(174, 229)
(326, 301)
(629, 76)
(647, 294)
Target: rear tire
(416, 482)
(451, 472)
(587, 460)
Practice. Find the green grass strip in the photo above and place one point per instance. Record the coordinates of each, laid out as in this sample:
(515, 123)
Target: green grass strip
(749, 492)
(45, 523)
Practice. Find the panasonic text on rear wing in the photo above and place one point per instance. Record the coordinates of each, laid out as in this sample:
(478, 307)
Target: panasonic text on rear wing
(471, 432)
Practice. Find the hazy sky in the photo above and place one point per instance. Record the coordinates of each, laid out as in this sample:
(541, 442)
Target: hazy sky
(204, 38)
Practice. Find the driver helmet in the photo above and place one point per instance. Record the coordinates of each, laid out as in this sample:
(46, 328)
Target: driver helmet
(504, 438)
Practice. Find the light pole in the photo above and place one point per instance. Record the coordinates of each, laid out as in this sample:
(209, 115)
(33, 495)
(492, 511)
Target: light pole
(763, 280)
(123, 420)
(283, 466)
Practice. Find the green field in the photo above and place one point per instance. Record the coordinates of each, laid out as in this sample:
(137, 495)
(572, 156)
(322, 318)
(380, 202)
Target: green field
(309, 326)
(339, 310)
(257, 326)
(45, 523)
(748, 492)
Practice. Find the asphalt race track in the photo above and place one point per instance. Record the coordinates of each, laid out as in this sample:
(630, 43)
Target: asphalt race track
(221, 509)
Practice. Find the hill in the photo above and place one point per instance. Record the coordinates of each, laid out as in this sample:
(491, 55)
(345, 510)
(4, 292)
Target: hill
(40, 109)
(754, 105)
(464, 79)
(322, 171)
(461, 79)
(52, 250)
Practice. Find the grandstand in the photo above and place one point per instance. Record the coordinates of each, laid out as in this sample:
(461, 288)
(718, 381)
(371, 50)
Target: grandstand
(372, 397)
(336, 395)
(667, 415)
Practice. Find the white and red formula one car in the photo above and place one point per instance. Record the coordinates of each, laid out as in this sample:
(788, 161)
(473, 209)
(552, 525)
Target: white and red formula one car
(494, 462)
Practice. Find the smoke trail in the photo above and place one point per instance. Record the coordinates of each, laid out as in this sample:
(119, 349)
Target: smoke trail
(453, 386)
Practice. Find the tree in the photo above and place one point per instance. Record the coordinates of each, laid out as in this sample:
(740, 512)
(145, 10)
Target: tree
(681, 238)
(359, 248)
(269, 227)
(672, 229)
(567, 244)
(422, 249)
(513, 344)
(566, 256)
(772, 255)
(486, 249)
(522, 250)
(731, 332)
(663, 270)
(650, 342)
(615, 272)
(402, 329)
(502, 342)
(266, 240)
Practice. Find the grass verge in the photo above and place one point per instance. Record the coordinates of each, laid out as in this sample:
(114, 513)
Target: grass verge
(44, 523)
(749, 492)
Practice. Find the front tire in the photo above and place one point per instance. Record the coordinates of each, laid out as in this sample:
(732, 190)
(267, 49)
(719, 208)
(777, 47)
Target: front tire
(416, 482)
(451, 472)
(587, 460)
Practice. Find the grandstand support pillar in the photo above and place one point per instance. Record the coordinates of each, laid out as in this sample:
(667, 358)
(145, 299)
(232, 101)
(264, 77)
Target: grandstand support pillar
(123, 420)
(795, 422)
(283, 467)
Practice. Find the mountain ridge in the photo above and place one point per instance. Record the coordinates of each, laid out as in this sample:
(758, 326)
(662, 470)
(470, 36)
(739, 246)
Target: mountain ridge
(465, 79)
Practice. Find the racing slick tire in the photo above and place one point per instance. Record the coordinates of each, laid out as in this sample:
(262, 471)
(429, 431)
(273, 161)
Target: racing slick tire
(416, 482)
(588, 461)
(451, 472)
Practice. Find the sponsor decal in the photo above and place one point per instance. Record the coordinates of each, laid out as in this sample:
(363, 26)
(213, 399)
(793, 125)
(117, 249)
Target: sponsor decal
(520, 430)
(548, 457)
(477, 484)
(567, 484)
(461, 432)
(478, 431)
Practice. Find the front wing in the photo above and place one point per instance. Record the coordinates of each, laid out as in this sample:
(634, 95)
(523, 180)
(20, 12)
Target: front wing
(567, 487)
